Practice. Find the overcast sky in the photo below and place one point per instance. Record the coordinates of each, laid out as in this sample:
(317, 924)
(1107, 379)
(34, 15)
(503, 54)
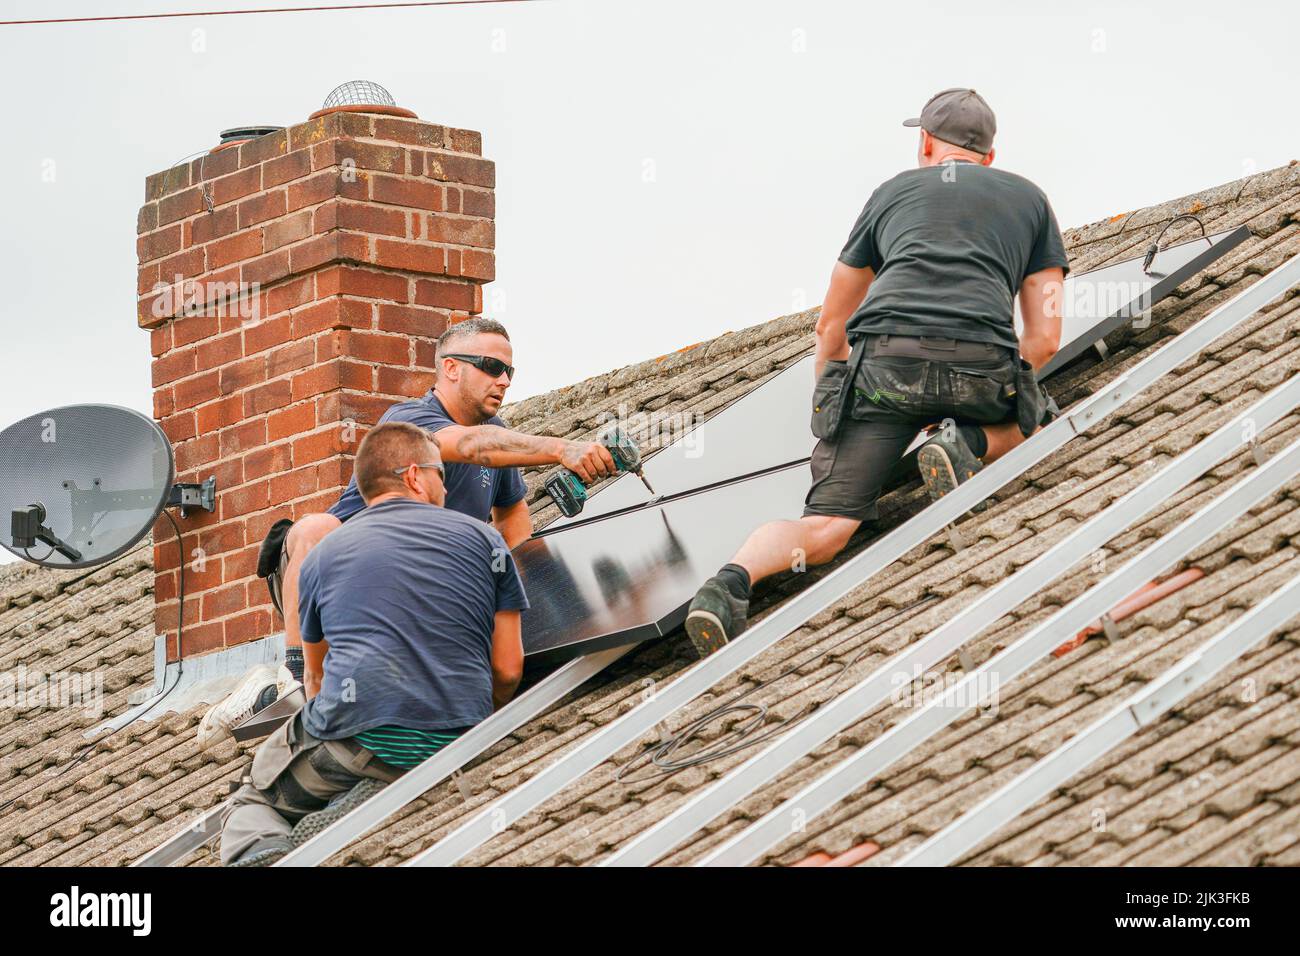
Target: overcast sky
(666, 171)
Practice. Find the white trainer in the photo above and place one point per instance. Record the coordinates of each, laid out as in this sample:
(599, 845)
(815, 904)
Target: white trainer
(285, 682)
(218, 722)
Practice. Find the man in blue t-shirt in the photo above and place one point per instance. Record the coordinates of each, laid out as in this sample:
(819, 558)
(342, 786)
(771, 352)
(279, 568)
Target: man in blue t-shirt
(411, 614)
(482, 456)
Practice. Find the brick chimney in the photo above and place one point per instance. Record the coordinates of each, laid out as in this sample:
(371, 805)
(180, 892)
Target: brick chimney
(293, 285)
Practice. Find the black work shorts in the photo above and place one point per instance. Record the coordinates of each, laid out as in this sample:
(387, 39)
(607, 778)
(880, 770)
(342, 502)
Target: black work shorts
(904, 385)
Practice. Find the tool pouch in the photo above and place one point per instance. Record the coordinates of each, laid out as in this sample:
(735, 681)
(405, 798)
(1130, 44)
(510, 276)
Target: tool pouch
(1032, 402)
(276, 753)
(832, 391)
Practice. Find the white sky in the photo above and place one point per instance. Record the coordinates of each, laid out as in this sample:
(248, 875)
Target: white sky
(765, 123)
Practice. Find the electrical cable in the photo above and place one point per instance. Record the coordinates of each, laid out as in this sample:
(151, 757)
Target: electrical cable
(740, 736)
(232, 13)
(27, 553)
(1155, 246)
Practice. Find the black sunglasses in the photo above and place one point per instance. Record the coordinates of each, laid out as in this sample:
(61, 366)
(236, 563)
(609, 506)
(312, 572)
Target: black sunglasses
(486, 363)
(442, 472)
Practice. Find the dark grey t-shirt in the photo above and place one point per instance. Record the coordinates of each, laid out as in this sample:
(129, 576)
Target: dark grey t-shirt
(406, 594)
(950, 247)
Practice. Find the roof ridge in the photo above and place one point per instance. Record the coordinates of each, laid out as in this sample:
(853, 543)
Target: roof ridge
(729, 343)
(1265, 183)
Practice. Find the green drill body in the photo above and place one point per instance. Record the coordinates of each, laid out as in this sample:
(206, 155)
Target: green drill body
(570, 494)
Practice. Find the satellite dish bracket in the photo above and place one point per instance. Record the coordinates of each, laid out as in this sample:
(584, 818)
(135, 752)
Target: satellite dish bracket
(190, 495)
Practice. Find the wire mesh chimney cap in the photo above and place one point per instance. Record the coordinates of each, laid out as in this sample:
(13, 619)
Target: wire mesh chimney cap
(361, 96)
(358, 93)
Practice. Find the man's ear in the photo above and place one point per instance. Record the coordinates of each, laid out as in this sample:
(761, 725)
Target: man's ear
(413, 482)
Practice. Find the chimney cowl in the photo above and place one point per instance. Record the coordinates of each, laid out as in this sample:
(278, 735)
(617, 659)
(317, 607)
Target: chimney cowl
(242, 134)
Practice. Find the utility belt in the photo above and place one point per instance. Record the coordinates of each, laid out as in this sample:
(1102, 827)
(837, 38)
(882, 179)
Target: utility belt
(834, 391)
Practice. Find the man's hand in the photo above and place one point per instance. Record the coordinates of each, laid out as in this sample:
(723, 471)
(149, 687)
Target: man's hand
(588, 460)
(847, 290)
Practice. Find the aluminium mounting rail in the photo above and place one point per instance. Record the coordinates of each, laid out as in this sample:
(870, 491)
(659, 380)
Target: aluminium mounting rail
(604, 743)
(1100, 737)
(852, 705)
(415, 782)
(185, 841)
(869, 761)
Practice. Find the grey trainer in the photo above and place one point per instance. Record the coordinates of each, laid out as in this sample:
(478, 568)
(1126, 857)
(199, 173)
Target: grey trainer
(338, 808)
(946, 462)
(716, 616)
(264, 852)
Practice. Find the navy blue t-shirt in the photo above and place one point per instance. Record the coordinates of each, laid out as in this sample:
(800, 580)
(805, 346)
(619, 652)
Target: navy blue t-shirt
(472, 490)
(406, 594)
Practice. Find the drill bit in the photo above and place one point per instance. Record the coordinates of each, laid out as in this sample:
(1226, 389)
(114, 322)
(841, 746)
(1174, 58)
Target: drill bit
(645, 481)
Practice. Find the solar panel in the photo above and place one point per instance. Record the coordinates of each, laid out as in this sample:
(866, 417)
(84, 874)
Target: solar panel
(626, 578)
(1105, 300)
(769, 426)
(765, 429)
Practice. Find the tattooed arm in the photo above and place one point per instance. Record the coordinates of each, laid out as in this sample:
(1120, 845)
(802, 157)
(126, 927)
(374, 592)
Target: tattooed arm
(498, 447)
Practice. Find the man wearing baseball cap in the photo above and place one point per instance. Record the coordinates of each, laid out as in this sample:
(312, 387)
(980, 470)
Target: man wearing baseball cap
(916, 332)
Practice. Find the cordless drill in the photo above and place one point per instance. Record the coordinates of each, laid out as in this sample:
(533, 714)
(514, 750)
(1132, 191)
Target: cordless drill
(570, 494)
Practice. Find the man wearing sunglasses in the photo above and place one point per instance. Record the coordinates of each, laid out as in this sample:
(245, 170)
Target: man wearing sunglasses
(482, 456)
(418, 607)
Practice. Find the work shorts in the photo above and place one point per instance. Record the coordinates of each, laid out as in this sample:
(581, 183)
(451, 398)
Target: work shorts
(903, 385)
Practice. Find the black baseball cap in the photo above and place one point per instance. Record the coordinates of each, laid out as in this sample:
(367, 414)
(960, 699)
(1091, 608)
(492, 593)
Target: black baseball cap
(958, 116)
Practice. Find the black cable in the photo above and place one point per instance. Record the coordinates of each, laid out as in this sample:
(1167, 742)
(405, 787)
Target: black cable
(27, 552)
(232, 13)
(1155, 246)
(90, 748)
(740, 737)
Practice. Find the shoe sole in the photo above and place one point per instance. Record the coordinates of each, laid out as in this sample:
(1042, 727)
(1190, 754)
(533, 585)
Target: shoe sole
(706, 632)
(939, 475)
(218, 722)
(263, 858)
(314, 823)
(936, 471)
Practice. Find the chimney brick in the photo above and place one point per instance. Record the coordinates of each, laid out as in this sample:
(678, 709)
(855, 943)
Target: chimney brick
(293, 286)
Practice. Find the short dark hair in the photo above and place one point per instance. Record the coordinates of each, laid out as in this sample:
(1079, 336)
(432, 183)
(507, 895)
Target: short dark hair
(479, 325)
(389, 446)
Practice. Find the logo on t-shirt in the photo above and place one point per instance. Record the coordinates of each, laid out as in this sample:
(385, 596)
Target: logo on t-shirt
(484, 476)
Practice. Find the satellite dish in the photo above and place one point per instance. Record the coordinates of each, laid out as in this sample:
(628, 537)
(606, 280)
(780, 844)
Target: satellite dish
(82, 484)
